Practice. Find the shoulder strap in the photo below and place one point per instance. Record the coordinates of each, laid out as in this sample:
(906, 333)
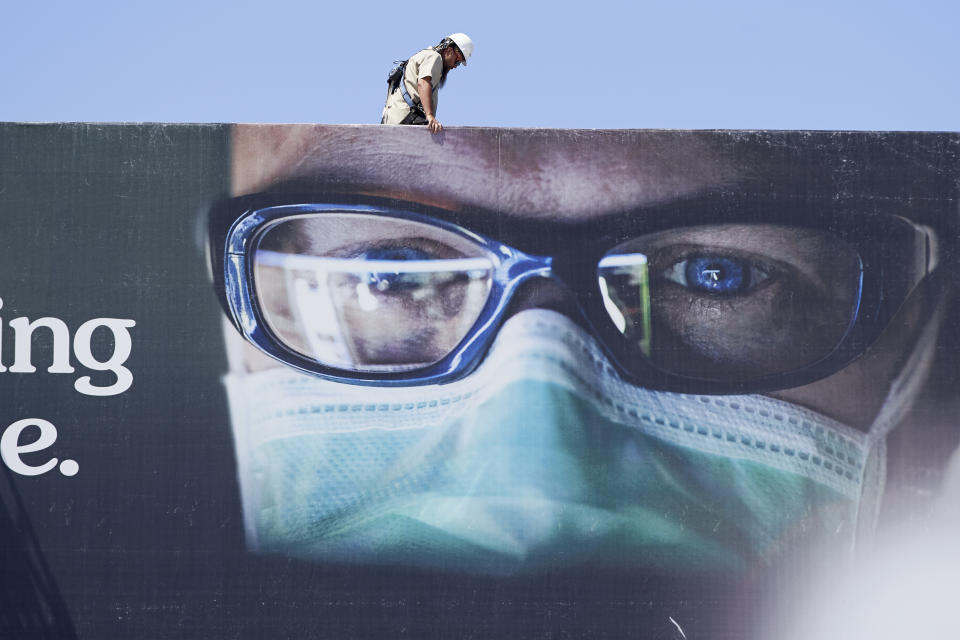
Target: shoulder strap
(404, 92)
(415, 106)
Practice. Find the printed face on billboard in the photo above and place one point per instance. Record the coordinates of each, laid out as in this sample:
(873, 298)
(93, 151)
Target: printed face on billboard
(511, 351)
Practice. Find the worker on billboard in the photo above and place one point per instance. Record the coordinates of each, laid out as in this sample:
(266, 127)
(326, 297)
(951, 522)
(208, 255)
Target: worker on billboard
(414, 84)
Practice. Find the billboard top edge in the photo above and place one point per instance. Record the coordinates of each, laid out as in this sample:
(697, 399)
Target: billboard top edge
(481, 128)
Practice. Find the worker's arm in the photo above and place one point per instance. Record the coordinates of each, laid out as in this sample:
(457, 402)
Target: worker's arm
(425, 89)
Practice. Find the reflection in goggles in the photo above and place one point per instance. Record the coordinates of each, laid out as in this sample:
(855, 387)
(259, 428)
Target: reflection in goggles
(623, 281)
(478, 266)
(625, 288)
(374, 314)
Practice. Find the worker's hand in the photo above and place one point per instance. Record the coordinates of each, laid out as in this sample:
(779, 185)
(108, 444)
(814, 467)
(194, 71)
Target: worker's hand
(433, 124)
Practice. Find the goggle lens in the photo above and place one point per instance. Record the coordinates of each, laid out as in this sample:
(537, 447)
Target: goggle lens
(368, 293)
(732, 301)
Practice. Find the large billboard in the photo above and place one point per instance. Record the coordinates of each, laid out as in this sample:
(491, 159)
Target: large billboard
(303, 381)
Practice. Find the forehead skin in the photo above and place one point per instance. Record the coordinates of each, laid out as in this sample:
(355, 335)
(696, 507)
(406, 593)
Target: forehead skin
(549, 174)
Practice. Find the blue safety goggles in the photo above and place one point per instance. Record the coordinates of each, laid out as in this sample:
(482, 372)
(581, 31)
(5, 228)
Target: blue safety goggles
(724, 299)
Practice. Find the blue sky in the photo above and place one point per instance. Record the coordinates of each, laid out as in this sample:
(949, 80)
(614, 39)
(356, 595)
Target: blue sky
(591, 64)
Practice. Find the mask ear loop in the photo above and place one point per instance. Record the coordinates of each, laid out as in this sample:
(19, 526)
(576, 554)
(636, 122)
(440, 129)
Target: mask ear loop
(899, 400)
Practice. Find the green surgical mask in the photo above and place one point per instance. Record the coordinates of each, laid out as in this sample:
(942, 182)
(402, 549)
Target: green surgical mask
(543, 458)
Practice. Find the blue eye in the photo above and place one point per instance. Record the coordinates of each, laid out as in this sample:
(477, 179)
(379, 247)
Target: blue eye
(724, 275)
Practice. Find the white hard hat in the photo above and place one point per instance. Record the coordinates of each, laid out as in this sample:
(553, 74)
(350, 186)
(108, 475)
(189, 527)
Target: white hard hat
(464, 43)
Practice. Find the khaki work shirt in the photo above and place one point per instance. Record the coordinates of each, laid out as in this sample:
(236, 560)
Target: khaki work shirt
(426, 63)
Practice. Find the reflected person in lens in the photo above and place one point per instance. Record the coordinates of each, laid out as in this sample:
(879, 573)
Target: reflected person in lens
(522, 352)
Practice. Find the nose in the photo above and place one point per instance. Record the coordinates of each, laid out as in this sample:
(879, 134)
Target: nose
(544, 293)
